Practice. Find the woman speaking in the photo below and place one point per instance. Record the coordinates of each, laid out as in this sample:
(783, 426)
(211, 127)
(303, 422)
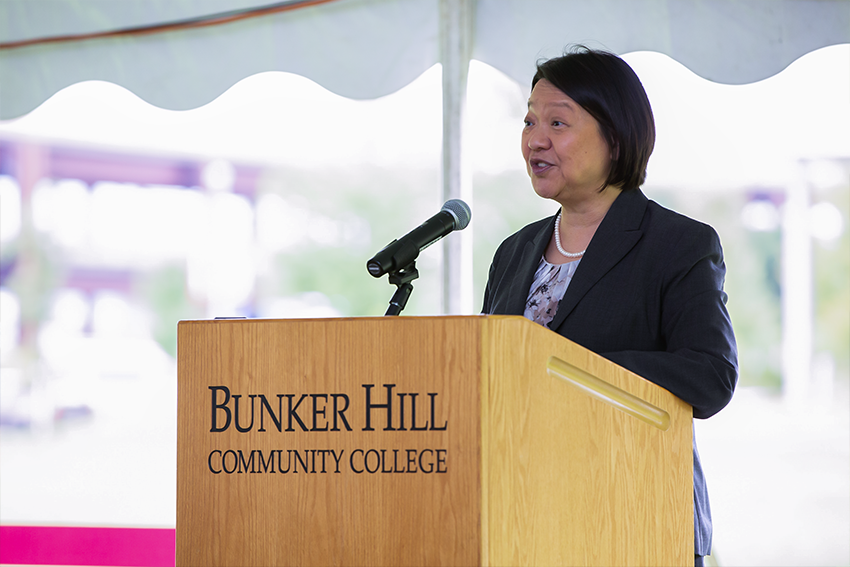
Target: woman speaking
(613, 271)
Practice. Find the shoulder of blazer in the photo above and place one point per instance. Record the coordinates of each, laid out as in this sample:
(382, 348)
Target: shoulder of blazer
(627, 213)
(666, 228)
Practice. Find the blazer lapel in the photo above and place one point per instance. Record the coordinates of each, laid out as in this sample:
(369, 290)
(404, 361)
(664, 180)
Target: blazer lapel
(527, 266)
(616, 236)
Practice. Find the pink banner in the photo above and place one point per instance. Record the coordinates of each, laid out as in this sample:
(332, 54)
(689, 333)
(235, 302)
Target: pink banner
(126, 547)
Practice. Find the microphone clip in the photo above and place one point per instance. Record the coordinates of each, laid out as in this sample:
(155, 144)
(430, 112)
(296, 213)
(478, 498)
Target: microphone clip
(401, 278)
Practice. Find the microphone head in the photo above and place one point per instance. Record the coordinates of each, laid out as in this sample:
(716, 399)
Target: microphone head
(460, 211)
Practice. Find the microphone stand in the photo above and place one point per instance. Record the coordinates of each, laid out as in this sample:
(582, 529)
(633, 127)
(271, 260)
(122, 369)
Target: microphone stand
(401, 278)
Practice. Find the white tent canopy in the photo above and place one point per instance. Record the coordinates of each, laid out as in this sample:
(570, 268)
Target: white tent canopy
(370, 48)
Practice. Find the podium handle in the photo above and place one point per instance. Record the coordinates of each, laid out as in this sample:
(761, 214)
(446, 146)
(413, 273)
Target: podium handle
(608, 393)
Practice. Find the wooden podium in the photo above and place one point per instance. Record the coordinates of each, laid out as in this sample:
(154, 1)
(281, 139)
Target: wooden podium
(423, 441)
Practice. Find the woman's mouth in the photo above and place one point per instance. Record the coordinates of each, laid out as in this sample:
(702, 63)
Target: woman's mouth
(539, 166)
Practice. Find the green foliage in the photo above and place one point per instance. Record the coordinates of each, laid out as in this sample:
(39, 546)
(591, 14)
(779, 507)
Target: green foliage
(832, 288)
(37, 271)
(163, 290)
(388, 203)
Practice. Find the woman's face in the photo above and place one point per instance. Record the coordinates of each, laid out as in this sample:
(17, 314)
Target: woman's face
(565, 154)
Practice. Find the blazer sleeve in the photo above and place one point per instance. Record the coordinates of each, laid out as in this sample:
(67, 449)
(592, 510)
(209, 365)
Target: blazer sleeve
(698, 362)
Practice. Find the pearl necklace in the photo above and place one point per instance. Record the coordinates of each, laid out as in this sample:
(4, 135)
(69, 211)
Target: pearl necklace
(558, 240)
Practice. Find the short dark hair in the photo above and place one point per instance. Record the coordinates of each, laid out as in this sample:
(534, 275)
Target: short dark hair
(606, 87)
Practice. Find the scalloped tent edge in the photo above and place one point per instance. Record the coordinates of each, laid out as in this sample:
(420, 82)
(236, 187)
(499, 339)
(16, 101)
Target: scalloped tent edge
(370, 48)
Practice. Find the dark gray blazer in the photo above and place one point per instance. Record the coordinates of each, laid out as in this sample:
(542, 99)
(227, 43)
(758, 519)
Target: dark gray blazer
(647, 295)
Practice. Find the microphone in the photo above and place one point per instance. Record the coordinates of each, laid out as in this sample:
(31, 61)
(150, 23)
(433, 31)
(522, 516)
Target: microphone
(398, 254)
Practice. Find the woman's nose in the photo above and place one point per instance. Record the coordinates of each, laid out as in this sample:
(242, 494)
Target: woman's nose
(537, 139)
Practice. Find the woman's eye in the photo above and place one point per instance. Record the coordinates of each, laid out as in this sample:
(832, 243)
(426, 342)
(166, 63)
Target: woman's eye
(557, 123)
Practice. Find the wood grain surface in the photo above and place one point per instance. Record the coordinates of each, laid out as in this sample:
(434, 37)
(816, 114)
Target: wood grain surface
(502, 463)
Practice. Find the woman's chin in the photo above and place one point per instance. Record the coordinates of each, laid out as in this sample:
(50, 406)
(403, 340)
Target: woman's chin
(545, 192)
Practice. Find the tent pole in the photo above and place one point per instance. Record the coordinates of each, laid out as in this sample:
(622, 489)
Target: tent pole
(457, 18)
(797, 291)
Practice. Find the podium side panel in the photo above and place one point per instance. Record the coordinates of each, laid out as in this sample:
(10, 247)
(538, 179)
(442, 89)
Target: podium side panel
(321, 488)
(573, 480)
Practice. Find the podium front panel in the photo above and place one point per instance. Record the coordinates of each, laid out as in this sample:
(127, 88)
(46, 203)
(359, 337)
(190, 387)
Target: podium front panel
(329, 442)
